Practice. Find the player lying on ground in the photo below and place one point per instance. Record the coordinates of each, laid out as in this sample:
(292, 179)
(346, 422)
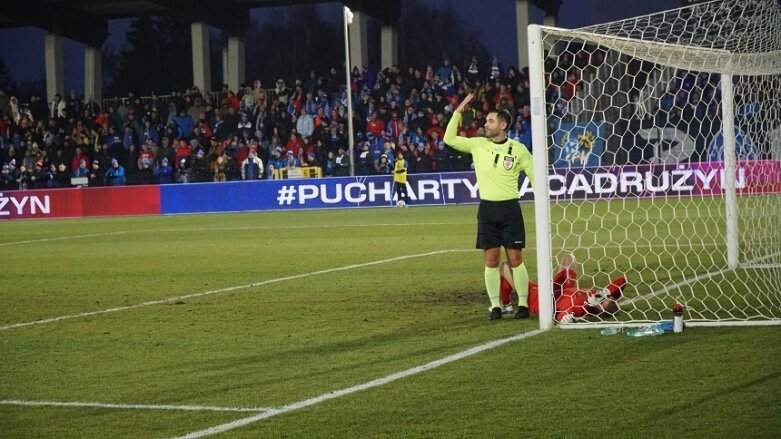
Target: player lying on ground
(571, 302)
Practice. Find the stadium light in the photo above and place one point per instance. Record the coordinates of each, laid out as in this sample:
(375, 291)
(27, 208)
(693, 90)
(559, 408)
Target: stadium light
(348, 19)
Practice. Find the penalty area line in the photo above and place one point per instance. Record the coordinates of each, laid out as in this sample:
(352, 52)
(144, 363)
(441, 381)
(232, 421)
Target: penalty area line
(357, 388)
(227, 289)
(62, 238)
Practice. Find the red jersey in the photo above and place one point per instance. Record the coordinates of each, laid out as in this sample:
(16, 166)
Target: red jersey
(568, 299)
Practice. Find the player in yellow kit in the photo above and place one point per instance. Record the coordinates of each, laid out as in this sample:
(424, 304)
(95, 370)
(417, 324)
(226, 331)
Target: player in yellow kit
(400, 180)
(498, 162)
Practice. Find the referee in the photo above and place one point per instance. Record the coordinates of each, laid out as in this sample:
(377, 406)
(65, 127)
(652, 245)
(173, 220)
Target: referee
(498, 163)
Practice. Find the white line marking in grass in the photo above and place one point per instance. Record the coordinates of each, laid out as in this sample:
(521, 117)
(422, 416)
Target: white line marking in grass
(357, 388)
(62, 238)
(324, 226)
(697, 278)
(225, 290)
(101, 405)
(212, 229)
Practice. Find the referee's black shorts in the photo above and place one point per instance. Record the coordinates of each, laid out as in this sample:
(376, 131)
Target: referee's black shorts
(500, 224)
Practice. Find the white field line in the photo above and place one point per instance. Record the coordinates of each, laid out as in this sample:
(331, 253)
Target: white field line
(697, 278)
(225, 290)
(100, 405)
(62, 238)
(357, 388)
(328, 226)
(215, 229)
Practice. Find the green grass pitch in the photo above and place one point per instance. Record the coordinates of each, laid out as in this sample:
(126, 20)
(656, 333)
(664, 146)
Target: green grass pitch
(270, 309)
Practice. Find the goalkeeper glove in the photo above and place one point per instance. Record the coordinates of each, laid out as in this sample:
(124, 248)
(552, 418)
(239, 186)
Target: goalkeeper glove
(597, 298)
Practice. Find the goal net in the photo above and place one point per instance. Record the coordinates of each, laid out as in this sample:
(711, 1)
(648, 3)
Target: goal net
(661, 136)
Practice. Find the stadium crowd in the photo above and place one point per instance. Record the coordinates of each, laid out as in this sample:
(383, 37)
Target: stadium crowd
(197, 136)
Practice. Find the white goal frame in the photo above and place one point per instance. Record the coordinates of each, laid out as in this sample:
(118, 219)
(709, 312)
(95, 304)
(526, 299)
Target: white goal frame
(718, 61)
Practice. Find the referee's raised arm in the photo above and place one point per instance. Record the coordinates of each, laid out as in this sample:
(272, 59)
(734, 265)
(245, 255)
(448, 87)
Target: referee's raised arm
(451, 132)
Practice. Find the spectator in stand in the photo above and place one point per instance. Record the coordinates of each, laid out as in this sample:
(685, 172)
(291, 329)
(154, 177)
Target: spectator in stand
(164, 173)
(334, 141)
(244, 125)
(166, 150)
(146, 154)
(148, 132)
(439, 159)
(247, 99)
(200, 168)
(183, 152)
(569, 87)
(395, 126)
(135, 124)
(261, 97)
(473, 71)
(364, 165)
(384, 167)
(184, 126)
(310, 161)
(7, 178)
(219, 169)
(37, 176)
(241, 152)
(276, 162)
(57, 106)
(375, 144)
(49, 177)
(375, 125)
(305, 125)
(456, 77)
(97, 174)
(38, 108)
(115, 174)
(82, 170)
(63, 175)
(281, 92)
(521, 130)
(421, 161)
(146, 171)
(294, 145)
(251, 167)
(230, 102)
(28, 161)
(341, 163)
(22, 177)
(330, 164)
(78, 157)
(183, 172)
(292, 161)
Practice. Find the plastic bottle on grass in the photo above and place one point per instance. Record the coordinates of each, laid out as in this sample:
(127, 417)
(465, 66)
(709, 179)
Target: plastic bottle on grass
(678, 318)
(645, 331)
(613, 330)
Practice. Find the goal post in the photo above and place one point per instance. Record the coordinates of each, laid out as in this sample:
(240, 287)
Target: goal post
(661, 139)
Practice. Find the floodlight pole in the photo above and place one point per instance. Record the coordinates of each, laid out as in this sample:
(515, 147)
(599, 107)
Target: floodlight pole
(348, 19)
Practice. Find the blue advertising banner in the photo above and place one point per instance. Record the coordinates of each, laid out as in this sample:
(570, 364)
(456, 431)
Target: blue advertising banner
(578, 144)
(588, 183)
(373, 191)
(592, 183)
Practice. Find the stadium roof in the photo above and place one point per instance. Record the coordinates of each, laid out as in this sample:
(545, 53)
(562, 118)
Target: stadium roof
(86, 20)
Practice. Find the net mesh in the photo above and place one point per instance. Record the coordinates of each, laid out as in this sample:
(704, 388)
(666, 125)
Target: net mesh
(636, 141)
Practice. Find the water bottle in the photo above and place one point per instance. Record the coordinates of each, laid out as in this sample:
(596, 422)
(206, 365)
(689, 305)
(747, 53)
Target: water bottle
(645, 331)
(677, 318)
(613, 330)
